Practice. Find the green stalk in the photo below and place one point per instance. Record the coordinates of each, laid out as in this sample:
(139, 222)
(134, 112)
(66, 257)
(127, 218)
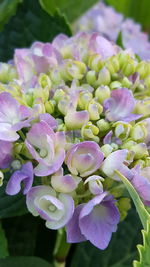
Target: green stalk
(61, 249)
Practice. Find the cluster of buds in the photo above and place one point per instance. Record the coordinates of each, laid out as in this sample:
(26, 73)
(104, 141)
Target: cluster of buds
(72, 112)
(106, 21)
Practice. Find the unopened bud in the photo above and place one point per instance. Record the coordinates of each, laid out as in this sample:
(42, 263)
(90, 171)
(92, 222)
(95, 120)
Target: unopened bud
(138, 132)
(129, 68)
(44, 81)
(142, 69)
(115, 85)
(91, 77)
(50, 106)
(104, 77)
(140, 150)
(95, 62)
(94, 109)
(106, 149)
(103, 125)
(89, 132)
(122, 130)
(84, 99)
(102, 93)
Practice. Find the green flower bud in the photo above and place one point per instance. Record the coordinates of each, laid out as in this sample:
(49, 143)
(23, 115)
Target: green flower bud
(103, 125)
(55, 76)
(7, 73)
(102, 93)
(123, 58)
(1, 178)
(126, 83)
(73, 69)
(63, 104)
(50, 106)
(122, 129)
(95, 62)
(114, 146)
(142, 69)
(124, 205)
(106, 149)
(128, 144)
(17, 148)
(58, 95)
(115, 85)
(28, 97)
(44, 81)
(139, 162)
(94, 109)
(104, 77)
(91, 77)
(138, 132)
(84, 99)
(142, 107)
(140, 150)
(89, 132)
(115, 62)
(42, 93)
(129, 68)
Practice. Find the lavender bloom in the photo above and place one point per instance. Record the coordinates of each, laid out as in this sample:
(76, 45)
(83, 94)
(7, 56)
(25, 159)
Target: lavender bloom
(42, 200)
(35, 60)
(84, 158)
(94, 221)
(115, 161)
(141, 182)
(64, 183)
(95, 184)
(6, 154)
(106, 21)
(25, 176)
(120, 106)
(13, 117)
(46, 147)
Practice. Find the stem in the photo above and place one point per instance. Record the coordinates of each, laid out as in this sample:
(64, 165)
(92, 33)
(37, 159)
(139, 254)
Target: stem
(61, 249)
(22, 135)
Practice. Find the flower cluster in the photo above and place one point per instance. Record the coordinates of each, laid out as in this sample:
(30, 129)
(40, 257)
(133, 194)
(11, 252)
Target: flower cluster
(72, 112)
(106, 21)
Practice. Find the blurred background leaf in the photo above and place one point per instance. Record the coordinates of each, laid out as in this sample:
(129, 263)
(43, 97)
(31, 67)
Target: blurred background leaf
(139, 10)
(71, 8)
(3, 244)
(11, 205)
(31, 23)
(7, 9)
(120, 252)
(24, 262)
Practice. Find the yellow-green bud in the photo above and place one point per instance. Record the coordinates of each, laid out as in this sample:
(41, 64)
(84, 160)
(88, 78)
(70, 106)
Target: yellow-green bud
(58, 95)
(28, 97)
(91, 77)
(95, 109)
(95, 62)
(122, 130)
(90, 131)
(55, 76)
(142, 69)
(142, 107)
(73, 69)
(126, 83)
(42, 93)
(139, 162)
(103, 125)
(50, 106)
(17, 148)
(128, 144)
(129, 68)
(7, 73)
(106, 149)
(1, 178)
(115, 62)
(140, 150)
(104, 77)
(44, 81)
(63, 104)
(123, 58)
(84, 99)
(138, 132)
(114, 146)
(115, 85)
(102, 93)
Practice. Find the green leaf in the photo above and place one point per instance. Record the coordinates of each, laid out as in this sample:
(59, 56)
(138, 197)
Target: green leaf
(31, 23)
(121, 251)
(24, 262)
(11, 205)
(72, 8)
(143, 214)
(119, 40)
(144, 250)
(3, 244)
(7, 9)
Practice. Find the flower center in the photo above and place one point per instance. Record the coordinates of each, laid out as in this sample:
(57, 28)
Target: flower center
(43, 153)
(52, 207)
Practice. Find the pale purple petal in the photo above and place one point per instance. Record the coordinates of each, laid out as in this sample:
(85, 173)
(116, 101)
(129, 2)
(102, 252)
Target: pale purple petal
(50, 120)
(120, 106)
(5, 154)
(98, 220)
(74, 234)
(25, 175)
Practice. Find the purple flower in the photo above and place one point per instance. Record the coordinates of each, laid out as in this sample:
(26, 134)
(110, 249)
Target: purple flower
(6, 154)
(64, 183)
(13, 117)
(84, 158)
(94, 221)
(95, 184)
(120, 106)
(42, 200)
(35, 60)
(141, 182)
(25, 176)
(46, 147)
(115, 161)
